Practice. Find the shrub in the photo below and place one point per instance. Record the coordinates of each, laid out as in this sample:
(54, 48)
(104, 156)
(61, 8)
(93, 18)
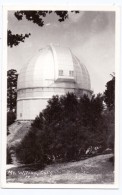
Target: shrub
(9, 159)
(28, 151)
(64, 130)
(110, 123)
(11, 116)
(10, 119)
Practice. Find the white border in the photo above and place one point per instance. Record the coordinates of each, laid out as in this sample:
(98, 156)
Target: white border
(4, 94)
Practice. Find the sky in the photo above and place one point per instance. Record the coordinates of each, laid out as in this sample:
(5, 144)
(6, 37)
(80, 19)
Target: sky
(90, 35)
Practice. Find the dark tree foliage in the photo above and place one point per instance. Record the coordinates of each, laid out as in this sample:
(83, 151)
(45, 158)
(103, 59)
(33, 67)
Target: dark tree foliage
(15, 39)
(64, 130)
(37, 17)
(109, 114)
(109, 118)
(11, 89)
(90, 110)
(109, 94)
(11, 116)
(8, 157)
(30, 151)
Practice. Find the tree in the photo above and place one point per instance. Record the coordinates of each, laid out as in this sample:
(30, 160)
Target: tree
(109, 118)
(109, 98)
(91, 110)
(37, 17)
(11, 89)
(109, 94)
(15, 39)
(11, 116)
(64, 130)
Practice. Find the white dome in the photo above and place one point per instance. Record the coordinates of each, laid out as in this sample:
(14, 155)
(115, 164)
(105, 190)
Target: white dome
(53, 71)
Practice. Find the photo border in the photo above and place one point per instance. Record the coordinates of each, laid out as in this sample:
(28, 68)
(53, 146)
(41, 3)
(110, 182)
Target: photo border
(117, 95)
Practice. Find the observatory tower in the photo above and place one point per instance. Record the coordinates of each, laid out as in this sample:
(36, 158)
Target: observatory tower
(54, 70)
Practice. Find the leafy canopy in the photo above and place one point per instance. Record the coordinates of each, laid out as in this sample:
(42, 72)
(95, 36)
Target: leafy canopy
(109, 94)
(37, 17)
(64, 130)
(11, 89)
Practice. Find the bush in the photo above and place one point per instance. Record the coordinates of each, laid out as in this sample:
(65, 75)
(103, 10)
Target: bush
(29, 150)
(110, 121)
(9, 159)
(11, 116)
(64, 130)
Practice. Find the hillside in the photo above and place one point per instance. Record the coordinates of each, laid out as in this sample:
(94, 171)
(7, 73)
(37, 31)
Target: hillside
(17, 131)
(95, 170)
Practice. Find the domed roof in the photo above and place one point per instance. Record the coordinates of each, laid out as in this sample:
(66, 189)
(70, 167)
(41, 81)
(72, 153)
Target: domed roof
(54, 66)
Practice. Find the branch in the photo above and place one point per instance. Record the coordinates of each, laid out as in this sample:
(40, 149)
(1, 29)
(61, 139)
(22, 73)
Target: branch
(15, 39)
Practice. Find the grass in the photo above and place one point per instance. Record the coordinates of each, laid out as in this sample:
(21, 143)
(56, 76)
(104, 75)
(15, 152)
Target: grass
(95, 170)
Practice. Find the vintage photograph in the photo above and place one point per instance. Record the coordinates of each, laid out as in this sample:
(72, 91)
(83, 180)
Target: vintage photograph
(61, 73)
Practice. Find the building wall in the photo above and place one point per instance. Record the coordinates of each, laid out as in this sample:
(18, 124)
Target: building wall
(28, 109)
(31, 102)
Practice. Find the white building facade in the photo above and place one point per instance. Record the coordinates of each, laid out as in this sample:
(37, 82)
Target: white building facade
(54, 70)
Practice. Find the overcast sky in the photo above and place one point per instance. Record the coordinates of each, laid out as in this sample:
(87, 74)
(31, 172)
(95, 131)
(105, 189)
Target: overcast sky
(90, 35)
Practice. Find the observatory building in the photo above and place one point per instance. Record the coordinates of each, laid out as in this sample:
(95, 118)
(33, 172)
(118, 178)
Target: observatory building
(54, 70)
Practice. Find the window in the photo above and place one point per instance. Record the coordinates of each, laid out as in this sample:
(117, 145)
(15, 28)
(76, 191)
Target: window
(71, 73)
(60, 72)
